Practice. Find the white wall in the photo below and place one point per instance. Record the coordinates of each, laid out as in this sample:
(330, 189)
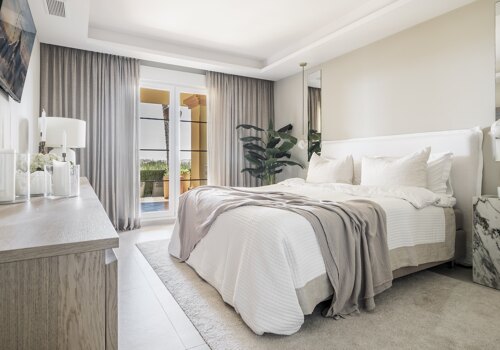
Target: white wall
(438, 75)
(13, 113)
(288, 110)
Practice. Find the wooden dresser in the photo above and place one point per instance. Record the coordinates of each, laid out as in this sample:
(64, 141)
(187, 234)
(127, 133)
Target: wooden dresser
(58, 274)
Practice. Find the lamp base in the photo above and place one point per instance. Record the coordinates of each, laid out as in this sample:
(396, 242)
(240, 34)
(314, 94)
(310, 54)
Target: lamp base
(70, 154)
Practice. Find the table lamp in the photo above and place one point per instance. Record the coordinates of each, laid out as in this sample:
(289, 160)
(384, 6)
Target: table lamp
(64, 134)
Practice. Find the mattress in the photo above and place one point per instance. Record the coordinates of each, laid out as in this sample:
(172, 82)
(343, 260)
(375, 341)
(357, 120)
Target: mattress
(267, 263)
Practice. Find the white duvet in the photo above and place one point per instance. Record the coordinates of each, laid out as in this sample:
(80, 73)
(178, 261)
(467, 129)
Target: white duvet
(257, 257)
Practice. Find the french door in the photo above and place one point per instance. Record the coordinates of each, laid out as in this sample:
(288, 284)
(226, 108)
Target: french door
(173, 146)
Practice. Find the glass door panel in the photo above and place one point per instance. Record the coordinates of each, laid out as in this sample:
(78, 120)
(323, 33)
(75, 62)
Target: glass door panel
(154, 152)
(192, 140)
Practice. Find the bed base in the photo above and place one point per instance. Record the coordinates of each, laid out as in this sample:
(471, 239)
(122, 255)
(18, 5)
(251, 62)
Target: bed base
(459, 254)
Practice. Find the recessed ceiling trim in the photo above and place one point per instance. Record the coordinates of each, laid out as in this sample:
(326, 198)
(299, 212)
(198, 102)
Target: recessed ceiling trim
(172, 50)
(369, 22)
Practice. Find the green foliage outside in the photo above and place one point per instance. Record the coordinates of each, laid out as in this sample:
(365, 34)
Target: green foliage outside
(152, 171)
(185, 167)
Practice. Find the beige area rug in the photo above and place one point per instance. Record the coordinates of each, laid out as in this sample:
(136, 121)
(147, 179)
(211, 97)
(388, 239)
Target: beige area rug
(422, 311)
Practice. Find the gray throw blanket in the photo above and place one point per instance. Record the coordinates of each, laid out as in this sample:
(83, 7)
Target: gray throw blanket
(352, 236)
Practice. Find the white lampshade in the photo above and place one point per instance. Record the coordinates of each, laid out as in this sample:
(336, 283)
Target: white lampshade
(75, 132)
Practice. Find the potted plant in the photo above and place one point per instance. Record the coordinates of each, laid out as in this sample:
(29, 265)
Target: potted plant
(268, 152)
(151, 174)
(40, 180)
(185, 175)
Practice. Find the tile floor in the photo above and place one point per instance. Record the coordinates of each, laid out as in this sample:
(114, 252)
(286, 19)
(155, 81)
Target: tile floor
(149, 317)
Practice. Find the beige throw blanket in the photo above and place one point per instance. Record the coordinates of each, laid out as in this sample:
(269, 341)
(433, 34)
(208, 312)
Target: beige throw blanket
(352, 237)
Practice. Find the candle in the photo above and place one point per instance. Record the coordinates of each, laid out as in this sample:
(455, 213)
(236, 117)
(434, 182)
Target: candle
(43, 126)
(60, 178)
(7, 175)
(64, 142)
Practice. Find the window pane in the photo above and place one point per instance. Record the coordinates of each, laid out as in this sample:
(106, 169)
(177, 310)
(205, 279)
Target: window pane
(153, 154)
(193, 141)
(193, 136)
(153, 134)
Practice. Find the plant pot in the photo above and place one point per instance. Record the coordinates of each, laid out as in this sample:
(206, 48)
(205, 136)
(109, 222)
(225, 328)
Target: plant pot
(143, 186)
(185, 184)
(158, 189)
(166, 186)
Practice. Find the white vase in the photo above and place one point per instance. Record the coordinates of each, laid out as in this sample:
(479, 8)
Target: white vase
(22, 184)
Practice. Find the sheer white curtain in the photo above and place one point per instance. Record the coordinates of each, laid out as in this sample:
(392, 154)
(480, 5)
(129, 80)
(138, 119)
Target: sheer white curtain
(234, 100)
(103, 90)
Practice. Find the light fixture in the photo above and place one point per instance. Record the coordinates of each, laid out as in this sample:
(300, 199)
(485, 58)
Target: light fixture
(64, 134)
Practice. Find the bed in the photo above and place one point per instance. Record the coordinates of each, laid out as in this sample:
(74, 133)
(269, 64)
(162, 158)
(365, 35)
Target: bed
(267, 264)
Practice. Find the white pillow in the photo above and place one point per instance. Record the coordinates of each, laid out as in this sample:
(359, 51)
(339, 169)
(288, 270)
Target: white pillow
(438, 173)
(325, 170)
(410, 170)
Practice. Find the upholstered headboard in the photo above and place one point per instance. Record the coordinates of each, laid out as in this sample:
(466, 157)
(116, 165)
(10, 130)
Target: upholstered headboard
(467, 169)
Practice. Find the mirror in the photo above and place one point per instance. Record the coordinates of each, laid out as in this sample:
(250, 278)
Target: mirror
(497, 76)
(313, 113)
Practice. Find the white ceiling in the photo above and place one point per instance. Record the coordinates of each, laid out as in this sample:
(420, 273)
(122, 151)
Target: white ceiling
(259, 38)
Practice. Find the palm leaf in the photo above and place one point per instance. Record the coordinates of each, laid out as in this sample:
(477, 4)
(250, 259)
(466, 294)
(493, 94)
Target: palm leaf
(289, 162)
(248, 126)
(272, 152)
(286, 146)
(268, 158)
(250, 139)
(254, 147)
(273, 141)
(257, 155)
(252, 171)
(252, 159)
(286, 128)
(288, 137)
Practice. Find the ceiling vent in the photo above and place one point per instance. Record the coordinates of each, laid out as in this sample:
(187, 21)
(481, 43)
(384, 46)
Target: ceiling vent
(56, 7)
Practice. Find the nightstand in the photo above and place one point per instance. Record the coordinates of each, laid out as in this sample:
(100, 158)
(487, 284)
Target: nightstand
(486, 241)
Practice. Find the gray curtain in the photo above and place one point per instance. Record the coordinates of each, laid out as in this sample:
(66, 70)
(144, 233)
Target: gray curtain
(234, 100)
(103, 90)
(314, 107)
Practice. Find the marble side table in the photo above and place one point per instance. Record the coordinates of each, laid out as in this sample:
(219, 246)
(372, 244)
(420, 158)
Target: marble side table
(486, 241)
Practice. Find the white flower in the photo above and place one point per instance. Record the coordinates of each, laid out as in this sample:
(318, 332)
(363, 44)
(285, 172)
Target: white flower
(39, 161)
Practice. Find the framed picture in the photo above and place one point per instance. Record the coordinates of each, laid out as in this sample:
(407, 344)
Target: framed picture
(17, 36)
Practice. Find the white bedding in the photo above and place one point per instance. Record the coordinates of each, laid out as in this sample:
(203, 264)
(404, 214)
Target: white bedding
(257, 257)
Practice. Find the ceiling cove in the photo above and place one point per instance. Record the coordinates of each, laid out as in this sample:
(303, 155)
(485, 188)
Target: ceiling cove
(260, 38)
